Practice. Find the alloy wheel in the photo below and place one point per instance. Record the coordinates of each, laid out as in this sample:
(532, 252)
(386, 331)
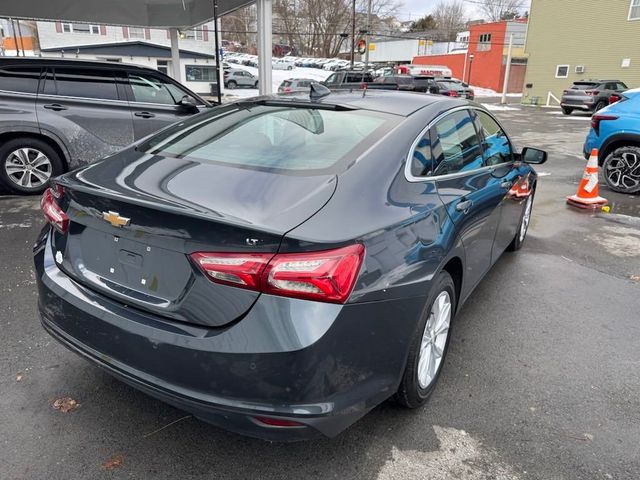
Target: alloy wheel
(434, 339)
(28, 167)
(623, 171)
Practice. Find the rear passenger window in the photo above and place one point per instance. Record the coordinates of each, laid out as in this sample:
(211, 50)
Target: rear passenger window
(456, 147)
(19, 79)
(422, 162)
(496, 145)
(84, 82)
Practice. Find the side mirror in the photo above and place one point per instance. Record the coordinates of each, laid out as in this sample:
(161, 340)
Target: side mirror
(187, 101)
(533, 156)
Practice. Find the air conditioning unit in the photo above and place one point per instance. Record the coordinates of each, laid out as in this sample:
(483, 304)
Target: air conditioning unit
(579, 68)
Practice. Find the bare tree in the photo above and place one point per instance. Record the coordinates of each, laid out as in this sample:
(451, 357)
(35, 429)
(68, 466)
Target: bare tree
(450, 17)
(497, 10)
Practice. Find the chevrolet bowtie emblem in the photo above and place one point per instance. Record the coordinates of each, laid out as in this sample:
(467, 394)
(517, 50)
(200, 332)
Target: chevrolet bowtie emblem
(115, 219)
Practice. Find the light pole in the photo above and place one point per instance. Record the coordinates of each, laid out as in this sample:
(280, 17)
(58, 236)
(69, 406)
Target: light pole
(471, 56)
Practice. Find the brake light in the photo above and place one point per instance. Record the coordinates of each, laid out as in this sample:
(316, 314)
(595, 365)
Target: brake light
(614, 98)
(451, 93)
(287, 89)
(327, 275)
(52, 211)
(592, 92)
(596, 119)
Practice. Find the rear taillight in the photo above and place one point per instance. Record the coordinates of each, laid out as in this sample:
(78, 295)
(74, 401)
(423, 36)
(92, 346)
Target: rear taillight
(614, 98)
(278, 422)
(52, 211)
(451, 93)
(287, 89)
(592, 93)
(596, 119)
(327, 276)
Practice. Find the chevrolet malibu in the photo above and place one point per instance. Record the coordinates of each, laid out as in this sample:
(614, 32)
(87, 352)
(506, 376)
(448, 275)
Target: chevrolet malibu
(280, 266)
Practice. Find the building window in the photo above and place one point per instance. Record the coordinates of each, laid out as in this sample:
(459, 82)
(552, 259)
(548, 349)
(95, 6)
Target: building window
(136, 32)
(634, 10)
(484, 43)
(81, 28)
(192, 34)
(562, 71)
(163, 66)
(200, 73)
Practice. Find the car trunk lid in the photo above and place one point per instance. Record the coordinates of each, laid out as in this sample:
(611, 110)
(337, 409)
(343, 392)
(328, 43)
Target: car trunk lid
(135, 219)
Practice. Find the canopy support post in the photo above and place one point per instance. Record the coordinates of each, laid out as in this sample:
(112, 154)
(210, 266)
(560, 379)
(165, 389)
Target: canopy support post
(265, 21)
(175, 55)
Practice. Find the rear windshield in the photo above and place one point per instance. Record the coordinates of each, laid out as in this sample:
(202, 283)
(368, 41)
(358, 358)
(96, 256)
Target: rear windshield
(583, 86)
(273, 137)
(286, 83)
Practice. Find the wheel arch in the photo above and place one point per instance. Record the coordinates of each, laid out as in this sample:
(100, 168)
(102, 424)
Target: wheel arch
(60, 150)
(617, 141)
(454, 268)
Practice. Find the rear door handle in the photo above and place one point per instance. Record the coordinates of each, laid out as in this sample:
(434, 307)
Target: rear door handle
(54, 106)
(464, 206)
(144, 114)
(506, 184)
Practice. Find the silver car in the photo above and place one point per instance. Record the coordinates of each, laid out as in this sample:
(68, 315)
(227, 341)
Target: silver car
(292, 85)
(236, 77)
(590, 95)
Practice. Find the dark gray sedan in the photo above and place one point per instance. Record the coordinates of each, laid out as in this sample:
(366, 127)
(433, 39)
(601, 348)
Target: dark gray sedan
(280, 266)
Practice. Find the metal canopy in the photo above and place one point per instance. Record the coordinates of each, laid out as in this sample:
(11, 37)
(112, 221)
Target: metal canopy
(139, 13)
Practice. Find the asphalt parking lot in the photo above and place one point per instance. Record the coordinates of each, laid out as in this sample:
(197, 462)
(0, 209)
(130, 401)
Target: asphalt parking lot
(542, 380)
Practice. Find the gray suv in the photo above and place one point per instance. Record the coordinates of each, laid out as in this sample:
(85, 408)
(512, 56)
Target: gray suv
(236, 77)
(59, 114)
(590, 95)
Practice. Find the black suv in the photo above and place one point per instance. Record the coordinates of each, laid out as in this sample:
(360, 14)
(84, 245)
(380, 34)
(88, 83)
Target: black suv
(59, 114)
(405, 82)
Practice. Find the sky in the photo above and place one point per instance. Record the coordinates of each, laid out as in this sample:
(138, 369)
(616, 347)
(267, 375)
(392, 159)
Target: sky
(414, 9)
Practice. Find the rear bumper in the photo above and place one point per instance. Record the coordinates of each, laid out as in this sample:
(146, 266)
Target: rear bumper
(577, 105)
(321, 365)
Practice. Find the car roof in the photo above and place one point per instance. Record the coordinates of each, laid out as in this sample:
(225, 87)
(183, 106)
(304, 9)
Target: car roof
(386, 101)
(71, 61)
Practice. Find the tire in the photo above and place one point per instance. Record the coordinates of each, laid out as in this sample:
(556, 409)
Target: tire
(289, 67)
(232, 85)
(600, 105)
(567, 111)
(621, 169)
(523, 226)
(27, 164)
(414, 388)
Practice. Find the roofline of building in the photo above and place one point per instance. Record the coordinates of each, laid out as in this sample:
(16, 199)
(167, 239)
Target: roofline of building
(126, 43)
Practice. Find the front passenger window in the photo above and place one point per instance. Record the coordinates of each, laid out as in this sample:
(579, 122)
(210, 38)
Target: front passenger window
(456, 147)
(151, 89)
(496, 145)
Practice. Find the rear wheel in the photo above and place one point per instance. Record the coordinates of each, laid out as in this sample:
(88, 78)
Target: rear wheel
(231, 84)
(429, 345)
(567, 111)
(622, 170)
(600, 105)
(27, 164)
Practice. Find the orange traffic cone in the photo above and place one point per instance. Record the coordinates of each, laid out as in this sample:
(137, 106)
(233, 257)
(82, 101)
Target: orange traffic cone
(587, 195)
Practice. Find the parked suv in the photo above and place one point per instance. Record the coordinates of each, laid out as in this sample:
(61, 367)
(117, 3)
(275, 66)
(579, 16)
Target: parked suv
(405, 82)
(347, 79)
(589, 95)
(615, 132)
(293, 85)
(236, 77)
(58, 114)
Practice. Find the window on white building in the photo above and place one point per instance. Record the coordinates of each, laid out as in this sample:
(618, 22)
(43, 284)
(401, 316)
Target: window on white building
(200, 73)
(136, 32)
(634, 10)
(81, 28)
(562, 71)
(484, 42)
(192, 34)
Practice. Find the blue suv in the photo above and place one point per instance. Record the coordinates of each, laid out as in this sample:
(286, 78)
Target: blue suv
(615, 132)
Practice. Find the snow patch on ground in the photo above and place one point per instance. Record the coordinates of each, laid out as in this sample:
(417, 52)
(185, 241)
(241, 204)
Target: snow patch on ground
(499, 108)
(488, 93)
(460, 456)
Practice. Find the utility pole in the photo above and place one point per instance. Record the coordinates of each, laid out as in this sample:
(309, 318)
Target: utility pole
(15, 38)
(507, 72)
(366, 54)
(353, 32)
(216, 32)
